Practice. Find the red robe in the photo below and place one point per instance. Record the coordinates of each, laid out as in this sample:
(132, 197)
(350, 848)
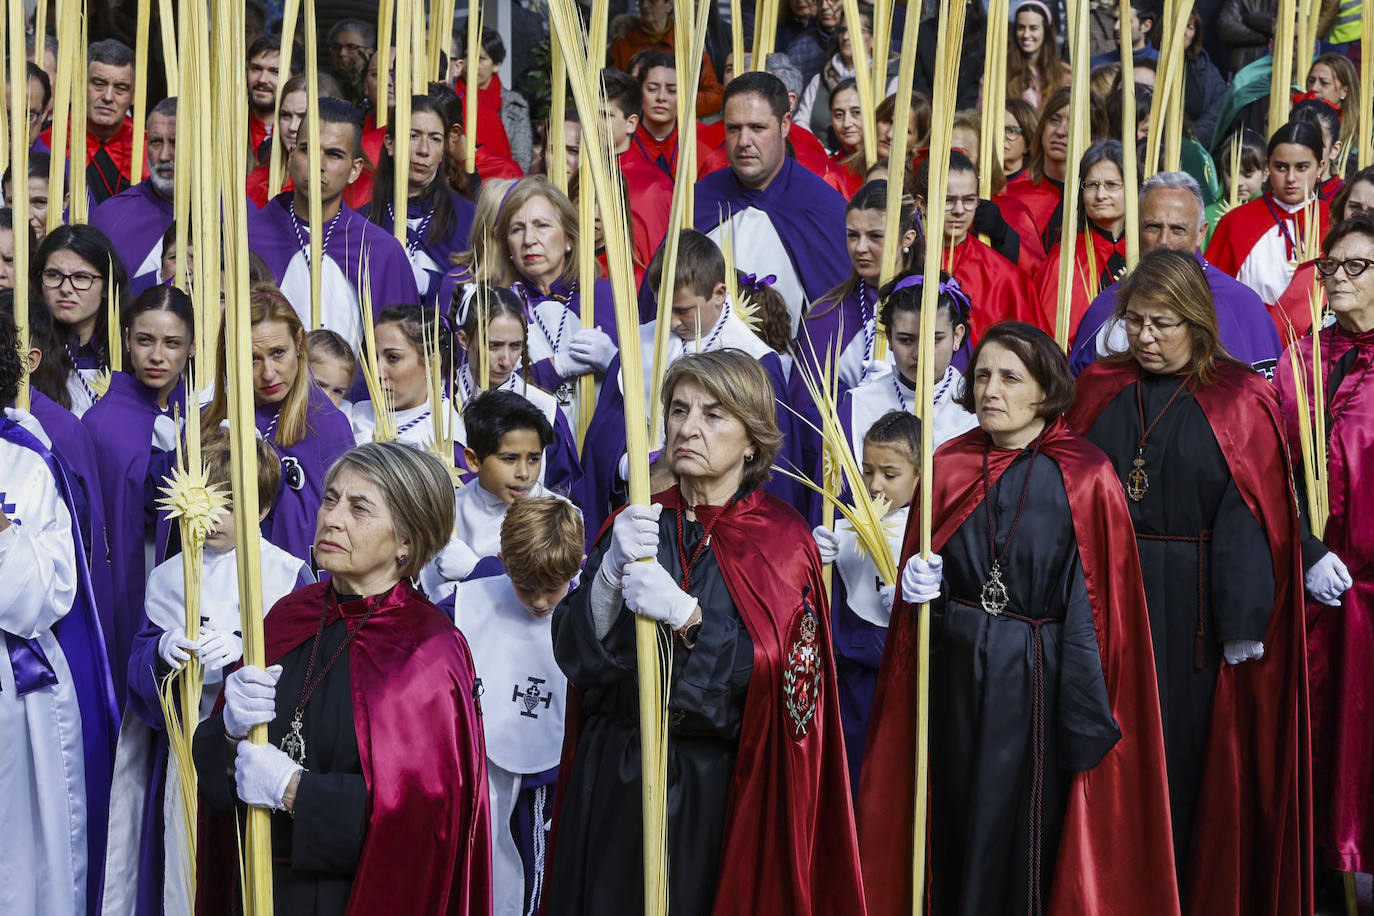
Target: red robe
(850, 180)
(491, 130)
(1032, 250)
(120, 147)
(1340, 640)
(419, 728)
(1086, 283)
(1115, 851)
(1252, 843)
(789, 846)
(651, 203)
(259, 132)
(1041, 198)
(661, 154)
(1233, 243)
(997, 289)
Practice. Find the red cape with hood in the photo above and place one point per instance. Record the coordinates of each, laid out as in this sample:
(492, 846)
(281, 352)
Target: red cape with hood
(789, 846)
(427, 848)
(1253, 835)
(1116, 852)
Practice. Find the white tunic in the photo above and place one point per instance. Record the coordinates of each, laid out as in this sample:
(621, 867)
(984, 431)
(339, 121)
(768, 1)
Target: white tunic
(858, 571)
(759, 250)
(1268, 268)
(729, 332)
(43, 867)
(887, 392)
(414, 426)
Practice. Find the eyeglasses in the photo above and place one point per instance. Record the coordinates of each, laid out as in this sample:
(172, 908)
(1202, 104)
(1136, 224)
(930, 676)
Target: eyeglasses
(1092, 187)
(81, 280)
(969, 202)
(1011, 130)
(1327, 267)
(1137, 323)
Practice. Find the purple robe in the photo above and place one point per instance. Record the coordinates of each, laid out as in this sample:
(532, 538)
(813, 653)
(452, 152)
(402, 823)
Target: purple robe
(1247, 332)
(83, 644)
(135, 222)
(431, 257)
(558, 335)
(350, 244)
(72, 445)
(807, 216)
(131, 471)
(291, 523)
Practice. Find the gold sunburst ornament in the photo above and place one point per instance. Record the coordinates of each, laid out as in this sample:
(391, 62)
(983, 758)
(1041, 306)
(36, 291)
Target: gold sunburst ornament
(188, 495)
(101, 383)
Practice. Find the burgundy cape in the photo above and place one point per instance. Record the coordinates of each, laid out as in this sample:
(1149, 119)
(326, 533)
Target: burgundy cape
(428, 847)
(1340, 640)
(1252, 843)
(1116, 851)
(789, 846)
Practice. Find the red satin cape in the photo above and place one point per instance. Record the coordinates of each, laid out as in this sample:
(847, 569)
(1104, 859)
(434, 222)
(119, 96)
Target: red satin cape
(789, 847)
(997, 288)
(427, 848)
(1116, 851)
(1252, 842)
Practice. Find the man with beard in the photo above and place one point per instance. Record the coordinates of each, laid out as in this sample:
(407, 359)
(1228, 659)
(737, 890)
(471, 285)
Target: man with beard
(135, 220)
(109, 130)
(264, 62)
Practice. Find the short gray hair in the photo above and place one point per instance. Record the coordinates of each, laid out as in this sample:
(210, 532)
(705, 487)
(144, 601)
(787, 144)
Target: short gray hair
(167, 108)
(365, 31)
(781, 66)
(112, 52)
(1176, 181)
(418, 491)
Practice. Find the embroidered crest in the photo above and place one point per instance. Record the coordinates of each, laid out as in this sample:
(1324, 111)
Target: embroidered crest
(801, 675)
(531, 697)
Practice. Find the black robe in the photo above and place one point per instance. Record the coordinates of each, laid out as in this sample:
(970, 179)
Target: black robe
(599, 847)
(315, 852)
(1206, 565)
(983, 746)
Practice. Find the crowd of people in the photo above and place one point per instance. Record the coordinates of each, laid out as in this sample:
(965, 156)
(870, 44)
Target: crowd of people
(1147, 588)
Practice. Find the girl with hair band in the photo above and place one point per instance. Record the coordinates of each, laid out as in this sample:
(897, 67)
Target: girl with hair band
(536, 239)
(841, 325)
(860, 407)
(1103, 226)
(1326, 118)
(507, 336)
(438, 221)
(1034, 69)
(138, 426)
(405, 343)
(291, 413)
(1261, 243)
(76, 270)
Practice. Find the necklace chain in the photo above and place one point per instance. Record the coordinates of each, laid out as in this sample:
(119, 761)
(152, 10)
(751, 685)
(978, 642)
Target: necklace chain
(995, 597)
(1137, 478)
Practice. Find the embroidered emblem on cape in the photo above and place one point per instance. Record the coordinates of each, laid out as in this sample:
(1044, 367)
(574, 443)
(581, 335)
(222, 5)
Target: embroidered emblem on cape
(531, 697)
(801, 674)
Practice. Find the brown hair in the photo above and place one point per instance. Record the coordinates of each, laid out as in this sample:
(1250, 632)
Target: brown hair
(972, 119)
(740, 384)
(886, 113)
(267, 303)
(500, 261)
(1046, 62)
(1344, 71)
(1053, 104)
(1359, 224)
(542, 541)
(215, 452)
(1042, 358)
(1174, 280)
(699, 269)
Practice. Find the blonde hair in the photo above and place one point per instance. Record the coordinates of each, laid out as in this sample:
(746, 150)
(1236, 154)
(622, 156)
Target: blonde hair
(541, 541)
(216, 453)
(477, 259)
(743, 389)
(501, 262)
(418, 490)
(267, 303)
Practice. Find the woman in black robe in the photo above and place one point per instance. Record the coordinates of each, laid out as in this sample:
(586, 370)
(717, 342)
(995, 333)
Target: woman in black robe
(1205, 538)
(1042, 706)
(754, 737)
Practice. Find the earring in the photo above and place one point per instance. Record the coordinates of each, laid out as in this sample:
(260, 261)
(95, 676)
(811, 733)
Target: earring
(906, 250)
(403, 559)
(749, 457)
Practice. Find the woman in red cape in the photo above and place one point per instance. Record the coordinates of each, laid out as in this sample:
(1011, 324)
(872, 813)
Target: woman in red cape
(375, 768)
(1340, 583)
(759, 818)
(1217, 528)
(1104, 797)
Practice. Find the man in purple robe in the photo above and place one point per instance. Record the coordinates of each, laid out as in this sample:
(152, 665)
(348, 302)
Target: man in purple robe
(136, 220)
(785, 221)
(354, 249)
(1172, 215)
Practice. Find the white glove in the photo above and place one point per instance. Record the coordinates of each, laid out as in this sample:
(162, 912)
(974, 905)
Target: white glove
(649, 591)
(593, 347)
(456, 561)
(1236, 651)
(262, 773)
(828, 542)
(634, 536)
(567, 365)
(218, 649)
(1328, 579)
(921, 578)
(250, 698)
(874, 369)
(174, 648)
